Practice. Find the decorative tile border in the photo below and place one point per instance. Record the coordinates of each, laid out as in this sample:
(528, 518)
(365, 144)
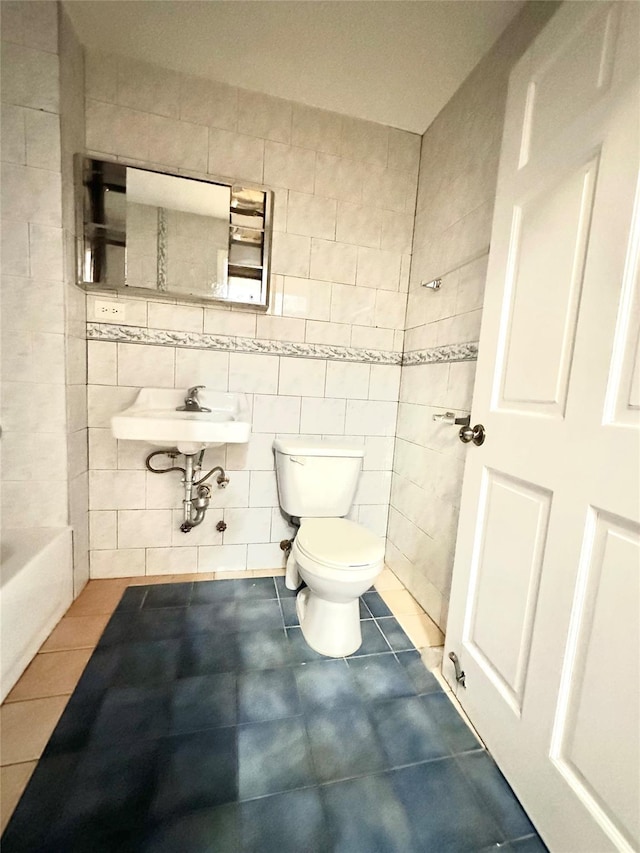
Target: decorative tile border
(437, 355)
(231, 343)
(162, 249)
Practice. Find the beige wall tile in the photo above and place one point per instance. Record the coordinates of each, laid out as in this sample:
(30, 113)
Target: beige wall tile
(178, 144)
(365, 141)
(124, 562)
(223, 322)
(378, 268)
(404, 150)
(151, 88)
(31, 195)
(172, 561)
(208, 102)
(316, 129)
(308, 299)
(370, 338)
(332, 261)
(311, 215)
(202, 367)
(264, 116)
(335, 334)
(43, 140)
(358, 225)
(117, 130)
(235, 155)
(326, 416)
(280, 328)
(339, 178)
(291, 254)
(289, 167)
(30, 77)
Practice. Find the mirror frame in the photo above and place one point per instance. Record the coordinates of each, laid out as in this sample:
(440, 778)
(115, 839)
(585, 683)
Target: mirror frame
(85, 244)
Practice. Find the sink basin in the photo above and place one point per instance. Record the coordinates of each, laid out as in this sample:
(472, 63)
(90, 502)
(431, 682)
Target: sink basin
(153, 419)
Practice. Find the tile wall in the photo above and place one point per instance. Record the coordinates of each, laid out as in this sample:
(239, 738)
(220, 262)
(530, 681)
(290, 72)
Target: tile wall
(456, 191)
(34, 420)
(323, 360)
(43, 374)
(72, 140)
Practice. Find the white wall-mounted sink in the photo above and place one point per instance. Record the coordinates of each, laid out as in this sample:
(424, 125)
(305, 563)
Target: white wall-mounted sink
(154, 419)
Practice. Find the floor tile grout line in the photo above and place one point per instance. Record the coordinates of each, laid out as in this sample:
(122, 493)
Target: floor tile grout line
(376, 773)
(8, 701)
(67, 649)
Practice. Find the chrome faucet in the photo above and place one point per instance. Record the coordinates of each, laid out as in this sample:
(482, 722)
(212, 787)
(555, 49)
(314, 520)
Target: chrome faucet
(191, 401)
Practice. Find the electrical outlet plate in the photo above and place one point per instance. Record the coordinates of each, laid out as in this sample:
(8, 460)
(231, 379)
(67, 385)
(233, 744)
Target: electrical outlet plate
(107, 310)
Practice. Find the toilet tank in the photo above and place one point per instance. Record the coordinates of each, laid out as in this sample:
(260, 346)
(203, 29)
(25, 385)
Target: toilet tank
(317, 479)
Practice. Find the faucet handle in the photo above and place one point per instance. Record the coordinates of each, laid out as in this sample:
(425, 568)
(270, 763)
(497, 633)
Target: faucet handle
(191, 401)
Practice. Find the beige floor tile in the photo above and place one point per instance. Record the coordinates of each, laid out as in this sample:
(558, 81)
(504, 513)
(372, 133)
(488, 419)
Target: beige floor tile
(387, 580)
(421, 630)
(97, 597)
(196, 576)
(76, 632)
(27, 726)
(432, 658)
(150, 580)
(105, 584)
(226, 576)
(51, 674)
(267, 573)
(400, 602)
(13, 781)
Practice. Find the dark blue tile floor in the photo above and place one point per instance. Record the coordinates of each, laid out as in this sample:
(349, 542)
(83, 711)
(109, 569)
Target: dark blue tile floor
(204, 723)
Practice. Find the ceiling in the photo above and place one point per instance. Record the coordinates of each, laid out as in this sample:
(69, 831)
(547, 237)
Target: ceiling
(390, 61)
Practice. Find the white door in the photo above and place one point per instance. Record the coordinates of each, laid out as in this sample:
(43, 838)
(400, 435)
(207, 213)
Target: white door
(546, 589)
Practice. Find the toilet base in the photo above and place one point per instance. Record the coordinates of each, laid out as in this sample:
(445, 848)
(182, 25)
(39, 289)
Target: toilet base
(330, 628)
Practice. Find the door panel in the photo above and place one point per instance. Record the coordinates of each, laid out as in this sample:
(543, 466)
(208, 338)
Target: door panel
(598, 693)
(548, 260)
(506, 574)
(570, 81)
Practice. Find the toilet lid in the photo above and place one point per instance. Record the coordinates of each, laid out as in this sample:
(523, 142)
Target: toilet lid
(339, 542)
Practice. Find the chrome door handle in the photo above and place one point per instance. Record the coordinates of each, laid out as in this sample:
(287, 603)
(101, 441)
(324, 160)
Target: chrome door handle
(476, 434)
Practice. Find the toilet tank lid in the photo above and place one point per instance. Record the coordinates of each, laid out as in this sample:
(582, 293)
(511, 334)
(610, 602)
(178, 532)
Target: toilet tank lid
(297, 446)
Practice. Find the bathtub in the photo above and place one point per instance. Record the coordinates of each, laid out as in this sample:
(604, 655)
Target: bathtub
(36, 588)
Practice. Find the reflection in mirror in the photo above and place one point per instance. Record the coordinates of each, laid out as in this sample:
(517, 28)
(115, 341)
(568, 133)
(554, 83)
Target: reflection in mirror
(175, 236)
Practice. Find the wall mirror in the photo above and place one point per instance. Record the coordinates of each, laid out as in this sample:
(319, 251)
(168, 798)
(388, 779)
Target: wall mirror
(147, 232)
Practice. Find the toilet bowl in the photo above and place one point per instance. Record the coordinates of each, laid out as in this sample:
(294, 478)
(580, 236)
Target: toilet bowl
(336, 558)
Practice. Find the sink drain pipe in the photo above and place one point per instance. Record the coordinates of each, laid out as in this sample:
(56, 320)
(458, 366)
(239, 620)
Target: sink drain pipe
(197, 495)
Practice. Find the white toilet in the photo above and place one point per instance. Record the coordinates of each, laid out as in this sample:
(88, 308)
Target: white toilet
(337, 558)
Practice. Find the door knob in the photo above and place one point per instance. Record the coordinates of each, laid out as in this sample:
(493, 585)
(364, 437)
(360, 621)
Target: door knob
(476, 434)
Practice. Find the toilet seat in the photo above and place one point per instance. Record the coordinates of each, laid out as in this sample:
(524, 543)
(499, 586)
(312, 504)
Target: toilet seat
(338, 545)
